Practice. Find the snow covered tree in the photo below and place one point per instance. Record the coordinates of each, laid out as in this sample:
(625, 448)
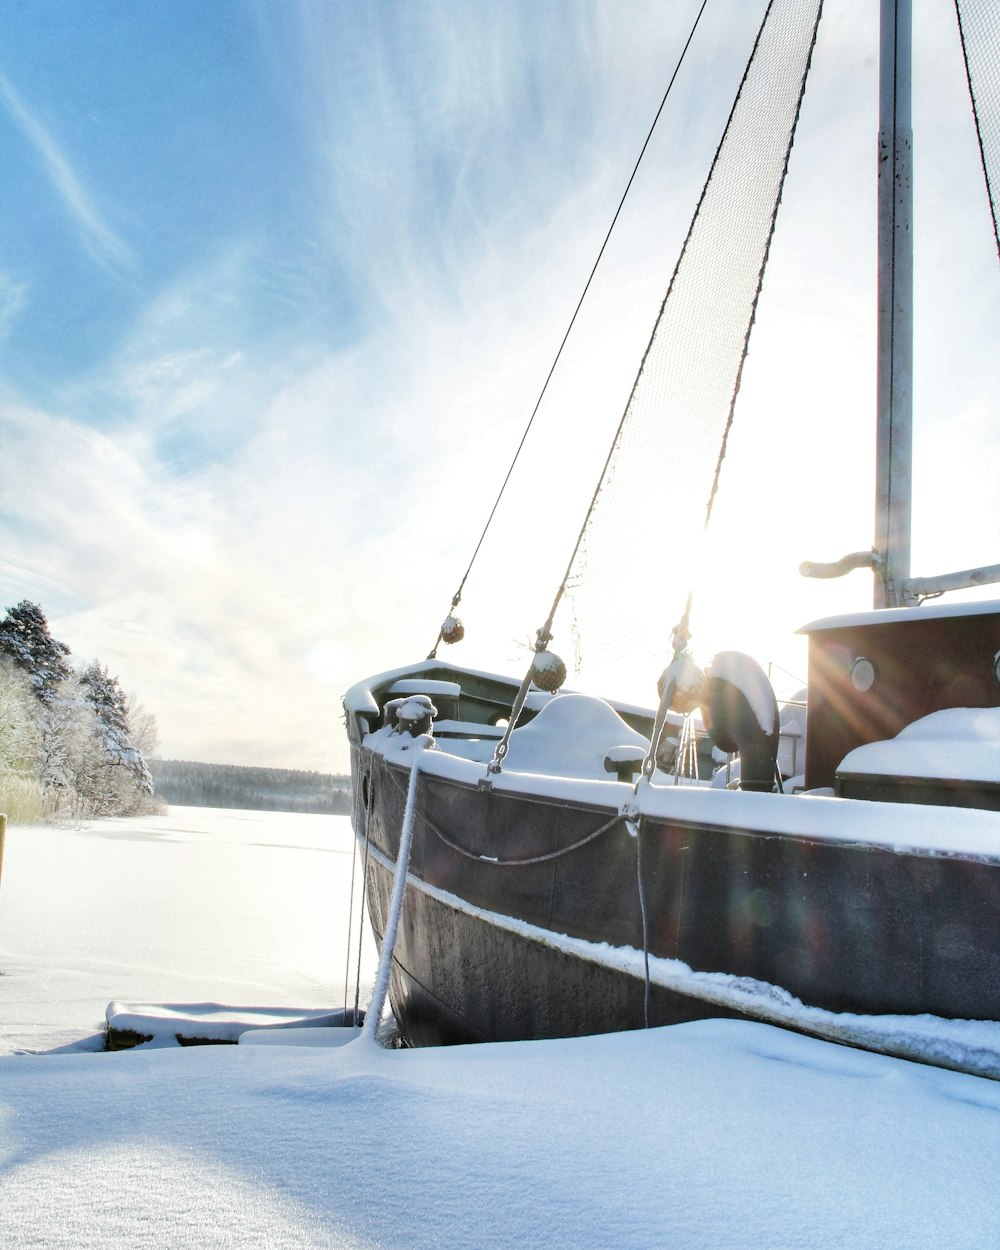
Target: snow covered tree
(75, 745)
(66, 735)
(117, 777)
(22, 796)
(142, 726)
(19, 739)
(26, 639)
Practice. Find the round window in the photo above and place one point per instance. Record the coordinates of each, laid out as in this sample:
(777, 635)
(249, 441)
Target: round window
(863, 674)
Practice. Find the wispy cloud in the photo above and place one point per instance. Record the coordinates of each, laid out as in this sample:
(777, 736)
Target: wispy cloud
(13, 297)
(97, 237)
(262, 494)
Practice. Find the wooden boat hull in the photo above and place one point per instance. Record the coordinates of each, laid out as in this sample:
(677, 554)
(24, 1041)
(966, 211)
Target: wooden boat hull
(504, 951)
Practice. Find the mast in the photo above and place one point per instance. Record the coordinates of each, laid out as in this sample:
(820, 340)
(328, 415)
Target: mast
(890, 556)
(894, 438)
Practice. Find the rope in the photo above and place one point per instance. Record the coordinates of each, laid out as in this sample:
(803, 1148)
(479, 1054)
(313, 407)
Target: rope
(350, 920)
(534, 859)
(457, 597)
(515, 863)
(381, 990)
(645, 922)
(364, 877)
(686, 755)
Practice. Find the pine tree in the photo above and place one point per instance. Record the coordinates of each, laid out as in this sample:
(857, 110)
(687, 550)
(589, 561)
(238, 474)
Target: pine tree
(25, 637)
(110, 706)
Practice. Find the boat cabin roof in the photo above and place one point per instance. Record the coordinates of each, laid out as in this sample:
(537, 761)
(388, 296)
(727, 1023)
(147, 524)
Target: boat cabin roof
(886, 616)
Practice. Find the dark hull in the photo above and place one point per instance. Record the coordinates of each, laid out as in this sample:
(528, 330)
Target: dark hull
(842, 926)
(458, 979)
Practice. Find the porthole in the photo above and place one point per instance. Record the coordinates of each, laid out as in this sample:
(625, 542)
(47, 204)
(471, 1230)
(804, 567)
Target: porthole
(863, 674)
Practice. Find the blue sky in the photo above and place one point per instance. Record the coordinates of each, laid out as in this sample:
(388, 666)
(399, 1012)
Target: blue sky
(279, 283)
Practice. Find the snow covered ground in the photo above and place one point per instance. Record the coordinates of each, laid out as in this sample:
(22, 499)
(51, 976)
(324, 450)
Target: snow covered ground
(709, 1135)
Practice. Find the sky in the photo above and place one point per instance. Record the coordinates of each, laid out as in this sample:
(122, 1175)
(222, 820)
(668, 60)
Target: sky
(280, 283)
(724, 1133)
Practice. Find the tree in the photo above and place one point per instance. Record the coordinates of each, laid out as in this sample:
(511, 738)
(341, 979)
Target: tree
(76, 739)
(116, 750)
(142, 730)
(19, 737)
(26, 639)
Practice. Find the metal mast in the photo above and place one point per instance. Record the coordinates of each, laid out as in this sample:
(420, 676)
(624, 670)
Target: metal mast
(894, 439)
(890, 557)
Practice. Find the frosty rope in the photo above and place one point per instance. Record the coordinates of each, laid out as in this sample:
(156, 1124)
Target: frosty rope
(381, 990)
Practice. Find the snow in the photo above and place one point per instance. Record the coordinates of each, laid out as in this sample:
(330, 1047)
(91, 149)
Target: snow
(965, 1045)
(710, 1135)
(957, 742)
(420, 685)
(751, 680)
(546, 662)
(924, 611)
(570, 737)
(415, 707)
(359, 698)
(683, 674)
(792, 743)
(924, 830)
(233, 907)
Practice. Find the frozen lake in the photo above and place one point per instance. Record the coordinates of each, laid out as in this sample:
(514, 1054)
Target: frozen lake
(236, 907)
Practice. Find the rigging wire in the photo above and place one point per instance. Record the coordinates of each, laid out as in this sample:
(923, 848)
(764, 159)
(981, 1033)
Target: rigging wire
(760, 275)
(681, 634)
(457, 597)
(682, 628)
(976, 113)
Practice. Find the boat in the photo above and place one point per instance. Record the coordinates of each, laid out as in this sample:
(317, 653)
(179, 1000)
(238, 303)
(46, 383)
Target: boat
(557, 873)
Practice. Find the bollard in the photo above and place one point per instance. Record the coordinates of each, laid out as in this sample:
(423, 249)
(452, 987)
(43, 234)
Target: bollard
(3, 835)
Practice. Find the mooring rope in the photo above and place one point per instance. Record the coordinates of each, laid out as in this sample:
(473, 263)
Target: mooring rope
(350, 920)
(367, 783)
(381, 990)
